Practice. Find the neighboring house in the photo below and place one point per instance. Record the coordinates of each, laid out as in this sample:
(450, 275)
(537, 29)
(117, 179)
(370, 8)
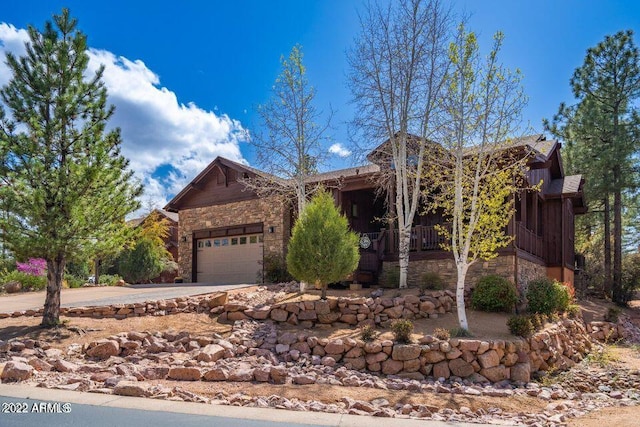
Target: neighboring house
(225, 229)
(171, 242)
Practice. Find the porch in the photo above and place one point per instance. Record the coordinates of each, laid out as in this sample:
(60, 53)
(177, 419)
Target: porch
(427, 242)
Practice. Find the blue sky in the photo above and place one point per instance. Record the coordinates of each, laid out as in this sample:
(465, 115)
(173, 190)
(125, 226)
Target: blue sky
(186, 76)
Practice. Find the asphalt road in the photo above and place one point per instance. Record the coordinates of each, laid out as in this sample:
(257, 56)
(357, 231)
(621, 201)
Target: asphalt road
(80, 415)
(105, 410)
(106, 295)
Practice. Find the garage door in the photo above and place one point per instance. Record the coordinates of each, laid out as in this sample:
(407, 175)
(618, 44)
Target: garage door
(229, 260)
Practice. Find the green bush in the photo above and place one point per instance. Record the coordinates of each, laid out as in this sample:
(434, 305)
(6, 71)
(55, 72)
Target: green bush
(630, 276)
(441, 334)
(547, 296)
(74, 281)
(538, 320)
(28, 281)
(574, 311)
(109, 279)
(520, 326)
(391, 278)
(612, 315)
(274, 269)
(402, 330)
(322, 249)
(431, 281)
(367, 333)
(460, 332)
(494, 293)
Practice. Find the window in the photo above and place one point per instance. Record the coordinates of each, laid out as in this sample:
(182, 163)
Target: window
(253, 239)
(216, 242)
(260, 239)
(200, 244)
(234, 241)
(225, 242)
(207, 243)
(243, 240)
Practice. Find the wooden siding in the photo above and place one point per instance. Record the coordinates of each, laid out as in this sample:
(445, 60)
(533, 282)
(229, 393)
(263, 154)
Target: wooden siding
(219, 189)
(553, 236)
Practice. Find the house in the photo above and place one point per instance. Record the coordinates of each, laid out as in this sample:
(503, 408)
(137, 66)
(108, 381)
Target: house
(225, 229)
(171, 241)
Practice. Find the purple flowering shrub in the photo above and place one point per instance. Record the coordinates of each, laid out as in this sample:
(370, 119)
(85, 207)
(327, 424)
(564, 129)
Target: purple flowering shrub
(33, 267)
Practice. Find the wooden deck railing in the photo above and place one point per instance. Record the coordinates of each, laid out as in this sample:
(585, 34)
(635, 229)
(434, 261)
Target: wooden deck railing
(427, 238)
(529, 241)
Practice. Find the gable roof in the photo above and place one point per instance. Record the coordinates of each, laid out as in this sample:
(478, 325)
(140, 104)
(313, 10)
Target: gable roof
(171, 216)
(344, 173)
(219, 162)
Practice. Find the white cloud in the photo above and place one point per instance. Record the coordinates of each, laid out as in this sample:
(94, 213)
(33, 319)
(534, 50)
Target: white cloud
(338, 149)
(157, 130)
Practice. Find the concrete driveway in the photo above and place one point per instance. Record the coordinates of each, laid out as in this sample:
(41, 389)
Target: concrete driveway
(106, 295)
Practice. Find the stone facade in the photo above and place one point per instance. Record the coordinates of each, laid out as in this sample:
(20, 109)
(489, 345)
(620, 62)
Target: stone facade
(265, 210)
(527, 271)
(503, 265)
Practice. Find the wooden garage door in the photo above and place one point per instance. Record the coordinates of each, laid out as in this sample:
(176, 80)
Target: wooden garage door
(229, 260)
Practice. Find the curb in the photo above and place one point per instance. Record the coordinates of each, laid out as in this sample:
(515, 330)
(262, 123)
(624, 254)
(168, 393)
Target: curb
(238, 412)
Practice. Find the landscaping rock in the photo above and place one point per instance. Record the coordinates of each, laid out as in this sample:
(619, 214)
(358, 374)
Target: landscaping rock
(405, 352)
(130, 388)
(16, 371)
(211, 353)
(184, 374)
(104, 349)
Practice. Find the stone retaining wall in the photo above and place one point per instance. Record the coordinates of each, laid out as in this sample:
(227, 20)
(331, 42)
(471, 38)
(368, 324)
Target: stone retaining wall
(351, 311)
(606, 331)
(559, 346)
(195, 304)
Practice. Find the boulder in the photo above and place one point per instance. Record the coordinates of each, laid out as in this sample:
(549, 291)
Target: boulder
(521, 372)
(279, 315)
(304, 379)
(211, 353)
(412, 365)
(356, 363)
(434, 356)
(12, 287)
(329, 317)
(278, 374)
(16, 371)
(391, 367)
(216, 374)
(131, 388)
(155, 372)
(322, 307)
(334, 347)
(103, 350)
(490, 359)
(64, 366)
(307, 315)
(404, 352)
(372, 358)
(495, 374)
(262, 374)
(184, 373)
(441, 370)
(40, 365)
(244, 372)
(373, 347)
(460, 368)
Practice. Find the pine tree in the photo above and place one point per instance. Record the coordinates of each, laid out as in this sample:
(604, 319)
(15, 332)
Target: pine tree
(66, 188)
(603, 126)
(322, 250)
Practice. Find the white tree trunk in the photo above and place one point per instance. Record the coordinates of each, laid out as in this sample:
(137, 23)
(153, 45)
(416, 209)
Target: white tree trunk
(462, 313)
(404, 237)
